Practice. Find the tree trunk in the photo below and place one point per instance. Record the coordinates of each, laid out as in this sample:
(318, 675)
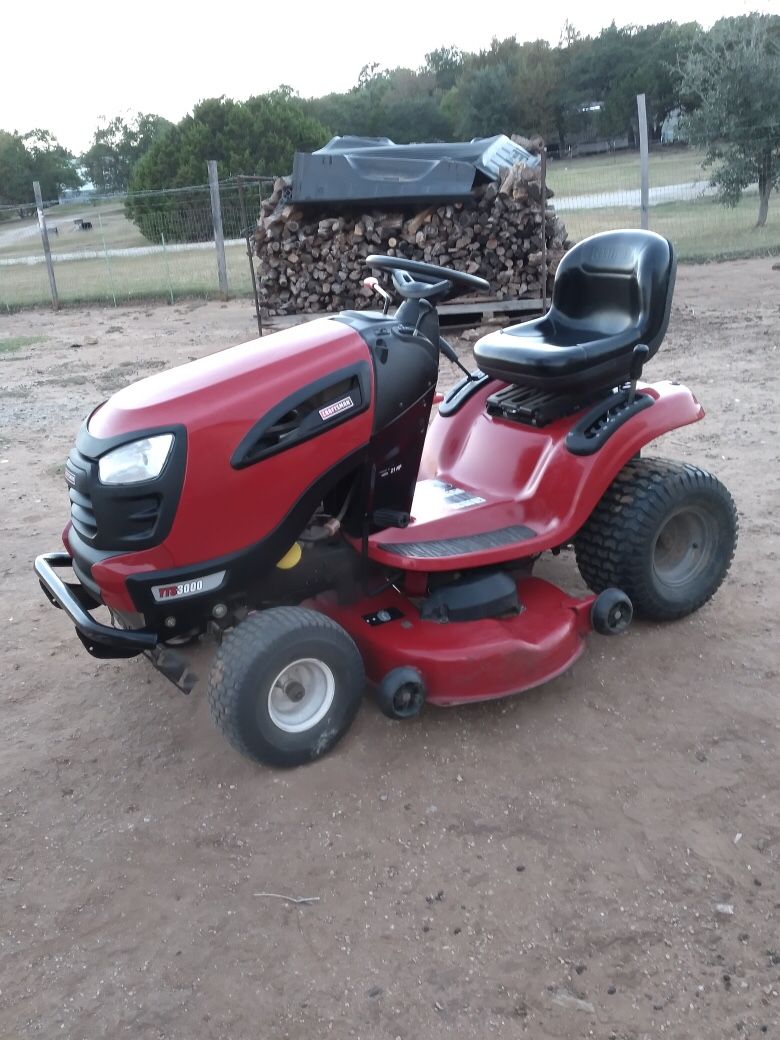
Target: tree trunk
(764, 191)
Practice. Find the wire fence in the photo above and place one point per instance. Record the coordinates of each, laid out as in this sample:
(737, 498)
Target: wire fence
(601, 193)
(123, 248)
(161, 245)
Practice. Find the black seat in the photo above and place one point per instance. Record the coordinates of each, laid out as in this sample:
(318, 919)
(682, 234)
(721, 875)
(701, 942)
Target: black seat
(612, 292)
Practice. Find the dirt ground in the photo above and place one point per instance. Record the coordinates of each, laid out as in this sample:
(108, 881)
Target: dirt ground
(546, 866)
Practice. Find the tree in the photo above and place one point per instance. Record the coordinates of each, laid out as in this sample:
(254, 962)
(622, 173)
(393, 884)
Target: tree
(445, 65)
(117, 145)
(484, 101)
(733, 77)
(15, 178)
(34, 156)
(257, 136)
(538, 85)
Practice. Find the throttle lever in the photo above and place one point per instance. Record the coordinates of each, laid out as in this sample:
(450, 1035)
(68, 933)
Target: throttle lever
(449, 352)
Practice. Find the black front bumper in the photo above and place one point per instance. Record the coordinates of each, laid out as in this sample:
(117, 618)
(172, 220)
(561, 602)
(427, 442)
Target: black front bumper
(100, 640)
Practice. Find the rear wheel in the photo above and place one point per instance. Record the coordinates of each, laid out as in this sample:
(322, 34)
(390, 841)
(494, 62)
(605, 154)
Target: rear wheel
(285, 685)
(664, 533)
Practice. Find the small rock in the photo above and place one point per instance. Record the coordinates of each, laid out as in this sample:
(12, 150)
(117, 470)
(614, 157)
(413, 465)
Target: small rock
(756, 882)
(700, 756)
(520, 869)
(375, 991)
(572, 1003)
(612, 990)
(579, 968)
(90, 341)
(725, 909)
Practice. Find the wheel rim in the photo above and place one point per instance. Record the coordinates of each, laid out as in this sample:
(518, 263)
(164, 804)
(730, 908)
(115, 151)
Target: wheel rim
(301, 695)
(684, 547)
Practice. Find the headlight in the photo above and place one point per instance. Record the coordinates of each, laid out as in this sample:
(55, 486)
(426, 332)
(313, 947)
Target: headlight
(137, 461)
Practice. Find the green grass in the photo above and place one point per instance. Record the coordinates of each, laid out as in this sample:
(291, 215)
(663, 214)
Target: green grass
(126, 278)
(700, 229)
(13, 343)
(620, 171)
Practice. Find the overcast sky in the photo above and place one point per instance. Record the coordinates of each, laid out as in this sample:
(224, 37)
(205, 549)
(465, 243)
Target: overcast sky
(62, 66)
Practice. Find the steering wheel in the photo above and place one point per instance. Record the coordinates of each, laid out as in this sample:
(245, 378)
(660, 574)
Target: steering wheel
(427, 281)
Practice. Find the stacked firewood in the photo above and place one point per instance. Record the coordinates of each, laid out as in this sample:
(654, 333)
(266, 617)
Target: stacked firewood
(310, 260)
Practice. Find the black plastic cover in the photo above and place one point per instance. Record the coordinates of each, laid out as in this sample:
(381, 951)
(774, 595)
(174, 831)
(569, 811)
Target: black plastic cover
(358, 169)
(472, 597)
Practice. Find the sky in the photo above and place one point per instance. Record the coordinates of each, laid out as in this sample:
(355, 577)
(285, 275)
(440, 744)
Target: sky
(63, 67)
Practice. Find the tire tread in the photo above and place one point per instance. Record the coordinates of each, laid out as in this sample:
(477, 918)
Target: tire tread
(609, 547)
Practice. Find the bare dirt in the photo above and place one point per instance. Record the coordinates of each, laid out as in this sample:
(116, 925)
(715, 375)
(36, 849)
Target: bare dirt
(546, 866)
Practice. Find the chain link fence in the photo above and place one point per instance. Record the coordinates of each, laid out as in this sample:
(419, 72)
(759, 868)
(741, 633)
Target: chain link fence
(160, 245)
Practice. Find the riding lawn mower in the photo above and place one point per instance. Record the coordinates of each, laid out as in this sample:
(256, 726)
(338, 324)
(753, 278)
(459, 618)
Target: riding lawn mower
(292, 498)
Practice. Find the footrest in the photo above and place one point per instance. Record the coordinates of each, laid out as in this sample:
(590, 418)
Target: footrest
(471, 543)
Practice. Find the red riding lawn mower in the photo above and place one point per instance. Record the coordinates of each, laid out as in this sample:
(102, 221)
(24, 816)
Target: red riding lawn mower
(290, 494)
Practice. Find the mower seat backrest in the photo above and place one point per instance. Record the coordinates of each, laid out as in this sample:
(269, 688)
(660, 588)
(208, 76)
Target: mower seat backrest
(612, 291)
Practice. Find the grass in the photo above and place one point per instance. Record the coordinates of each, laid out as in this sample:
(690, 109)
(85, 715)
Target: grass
(700, 229)
(620, 171)
(126, 278)
(13, 343)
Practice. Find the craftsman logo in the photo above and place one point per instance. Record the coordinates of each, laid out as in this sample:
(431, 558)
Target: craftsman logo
(188, 588)
(334, 409)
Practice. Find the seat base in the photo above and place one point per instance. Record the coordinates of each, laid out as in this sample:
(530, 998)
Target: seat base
(531, 406)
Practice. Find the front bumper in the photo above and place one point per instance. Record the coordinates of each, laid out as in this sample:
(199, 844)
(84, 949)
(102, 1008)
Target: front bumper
(77, 602)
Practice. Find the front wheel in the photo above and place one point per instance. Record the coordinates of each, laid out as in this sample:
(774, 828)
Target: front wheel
(664, 533)
(285, 685)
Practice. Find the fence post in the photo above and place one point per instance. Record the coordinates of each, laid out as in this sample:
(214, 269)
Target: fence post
(245, 227)
(543, 192)
(105, 254)
(55, 300)
(644, 163)
(219, 237)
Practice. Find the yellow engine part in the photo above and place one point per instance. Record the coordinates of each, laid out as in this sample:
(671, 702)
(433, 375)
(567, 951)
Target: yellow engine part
(290, 558)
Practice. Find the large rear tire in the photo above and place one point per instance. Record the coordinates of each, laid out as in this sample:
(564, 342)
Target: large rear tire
(664, 533)
(285, 685)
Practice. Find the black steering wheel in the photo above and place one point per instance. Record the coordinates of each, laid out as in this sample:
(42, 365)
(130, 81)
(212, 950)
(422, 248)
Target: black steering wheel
(427, 281)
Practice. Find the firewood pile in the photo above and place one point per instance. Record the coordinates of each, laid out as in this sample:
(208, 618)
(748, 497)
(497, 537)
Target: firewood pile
(310, 260)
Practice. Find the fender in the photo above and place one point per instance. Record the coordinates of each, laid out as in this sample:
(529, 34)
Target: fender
(524, 479)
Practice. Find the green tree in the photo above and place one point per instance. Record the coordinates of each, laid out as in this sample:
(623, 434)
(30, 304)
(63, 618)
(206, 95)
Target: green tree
(537, 86)
(257, 136)
(15, 173)
(117, 145)
(484, 102)
(34, 156)
(445, 64)
(733, 76)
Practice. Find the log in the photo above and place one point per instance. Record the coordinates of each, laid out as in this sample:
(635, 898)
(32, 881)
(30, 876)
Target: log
(314, 260)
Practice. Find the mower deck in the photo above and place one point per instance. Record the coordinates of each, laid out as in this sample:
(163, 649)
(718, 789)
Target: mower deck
(471, 660)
